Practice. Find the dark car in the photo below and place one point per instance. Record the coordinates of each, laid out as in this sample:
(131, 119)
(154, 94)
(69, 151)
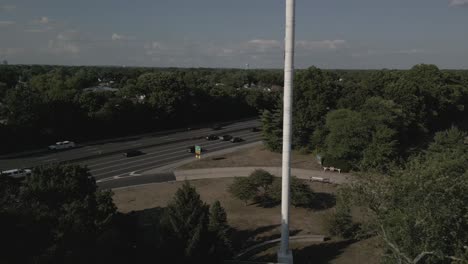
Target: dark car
(217, 127)
(225, 137)
(133, 153)
(255, 129)
(236, 139)
(191, 149)
(212, 137)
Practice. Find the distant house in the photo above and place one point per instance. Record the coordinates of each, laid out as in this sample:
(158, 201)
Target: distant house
(97, 89)
(276, 88)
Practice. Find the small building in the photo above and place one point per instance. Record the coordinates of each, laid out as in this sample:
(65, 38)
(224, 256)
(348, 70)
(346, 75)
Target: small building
(97, 89)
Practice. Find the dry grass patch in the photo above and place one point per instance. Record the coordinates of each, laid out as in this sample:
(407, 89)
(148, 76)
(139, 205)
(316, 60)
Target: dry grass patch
(262, 221)
(254, 156)
(254, 224)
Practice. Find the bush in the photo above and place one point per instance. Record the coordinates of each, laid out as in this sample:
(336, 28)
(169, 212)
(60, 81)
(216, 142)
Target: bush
(243, 189)
(328, 161)
(261, 179)
(341, 224)
(301, 193)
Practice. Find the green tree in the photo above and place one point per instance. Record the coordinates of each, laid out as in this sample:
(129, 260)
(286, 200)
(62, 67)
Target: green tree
(316, 93)
(348, 135)
(301, 194)
(262, 180)
(218, 226)
(56, 216)
(341, 223)
(272, 129)
(420, 212)
(243, 189)
(381, 153)
(186, 223)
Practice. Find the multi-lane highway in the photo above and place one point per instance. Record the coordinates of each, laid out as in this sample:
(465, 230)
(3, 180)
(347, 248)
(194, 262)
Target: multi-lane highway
(106, 160)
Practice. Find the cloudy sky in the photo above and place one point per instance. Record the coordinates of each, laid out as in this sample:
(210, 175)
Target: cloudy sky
(222, 33)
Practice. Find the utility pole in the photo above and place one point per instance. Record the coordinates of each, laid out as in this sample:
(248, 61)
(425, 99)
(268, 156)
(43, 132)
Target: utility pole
(284, 253)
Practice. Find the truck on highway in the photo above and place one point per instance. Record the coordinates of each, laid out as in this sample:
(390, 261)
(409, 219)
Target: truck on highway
(62, 145)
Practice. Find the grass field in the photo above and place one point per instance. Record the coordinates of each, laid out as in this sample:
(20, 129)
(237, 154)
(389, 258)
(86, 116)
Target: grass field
(253, 224)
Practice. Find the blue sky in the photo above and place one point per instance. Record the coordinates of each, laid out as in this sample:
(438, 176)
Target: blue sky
(221, 33)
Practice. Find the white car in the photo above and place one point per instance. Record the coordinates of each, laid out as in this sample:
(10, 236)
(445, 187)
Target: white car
(62, 145)
(16, 173)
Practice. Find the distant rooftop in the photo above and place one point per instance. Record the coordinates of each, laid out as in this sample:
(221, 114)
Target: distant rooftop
(100, 89)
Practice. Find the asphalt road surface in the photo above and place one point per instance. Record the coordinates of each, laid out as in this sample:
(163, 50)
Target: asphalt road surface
(106, 161)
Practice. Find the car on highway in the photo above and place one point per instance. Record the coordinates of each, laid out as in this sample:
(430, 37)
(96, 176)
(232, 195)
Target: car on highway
(133, 153)
(225, 137)
(17, 173)
(217, 127)
(191, 149)
(62, 145)
(212, 137)
(255, 129)
(236, 139)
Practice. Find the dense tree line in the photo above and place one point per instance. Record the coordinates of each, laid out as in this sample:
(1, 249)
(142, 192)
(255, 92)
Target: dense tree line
(58, 215)
(372, 120)
(420, 211)
(43, 104)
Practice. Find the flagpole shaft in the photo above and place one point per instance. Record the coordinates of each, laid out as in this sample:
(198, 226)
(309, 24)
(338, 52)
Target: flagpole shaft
(287, 124)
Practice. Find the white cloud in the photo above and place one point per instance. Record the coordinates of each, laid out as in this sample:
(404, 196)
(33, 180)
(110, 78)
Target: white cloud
(7, 8)
(263, 45)
(65, 42)
(116, 37)
(411, 51)
(155, 48)
(5, 52)
(38, 30)
(458, 3)
(42, 21)
(321, 44)
(370, 53)
(6, 23)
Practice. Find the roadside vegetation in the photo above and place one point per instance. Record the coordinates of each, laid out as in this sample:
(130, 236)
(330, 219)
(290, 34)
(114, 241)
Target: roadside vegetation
(40, 105)
(58, 215)
(370, 120)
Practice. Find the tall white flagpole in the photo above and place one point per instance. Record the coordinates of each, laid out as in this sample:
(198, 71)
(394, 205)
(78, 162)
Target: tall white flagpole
(284, 254)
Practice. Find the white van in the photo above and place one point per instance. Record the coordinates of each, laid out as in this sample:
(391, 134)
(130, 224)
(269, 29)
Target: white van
(62, 145)
(16, 173)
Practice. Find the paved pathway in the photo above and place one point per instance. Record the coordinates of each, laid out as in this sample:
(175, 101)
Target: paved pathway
(211, 173)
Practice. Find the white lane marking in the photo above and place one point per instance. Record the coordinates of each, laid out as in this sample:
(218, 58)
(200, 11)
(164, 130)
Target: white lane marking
(152, 156)
(204, 143)
(133, 173)
(126, 175)
(194, 135)
(145, 163)
(90, 148)
(204, 131)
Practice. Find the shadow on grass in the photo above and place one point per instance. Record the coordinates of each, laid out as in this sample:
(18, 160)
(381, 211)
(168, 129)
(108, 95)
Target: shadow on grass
(317, 254)
(243, 239)
(323, 201)
(318, 201)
